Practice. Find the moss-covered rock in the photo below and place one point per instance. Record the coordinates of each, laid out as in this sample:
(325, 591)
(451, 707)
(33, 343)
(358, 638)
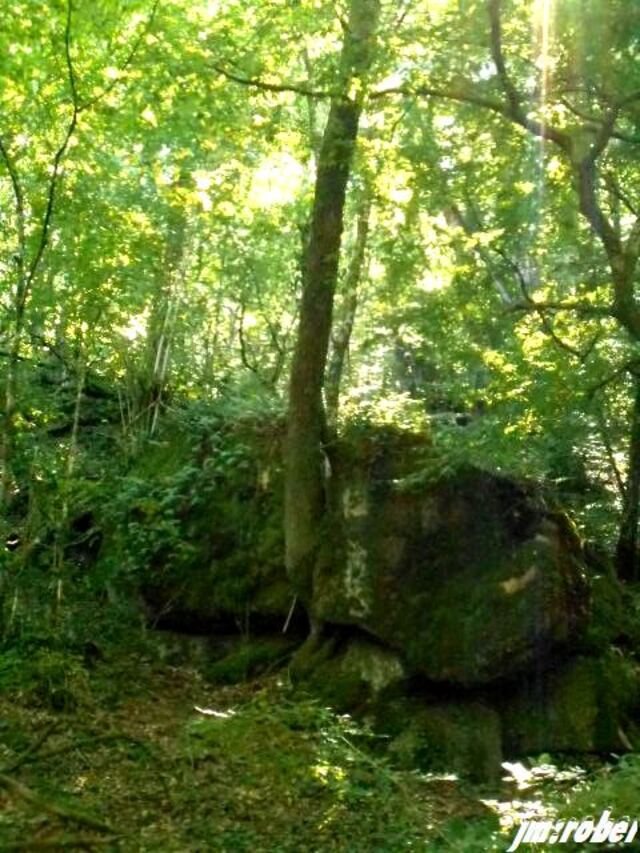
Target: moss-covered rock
(470, 577)
(349, 676)
(586, 705)
(461, 736)
(196, 525)
(250, 658)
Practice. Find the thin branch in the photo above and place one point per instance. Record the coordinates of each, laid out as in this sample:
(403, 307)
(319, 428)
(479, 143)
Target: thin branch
(617, 192)
(450, 93)
(257, 83)
(31, 750)
(629, 99)
(77, 108)
(583, 308)
(514, 109)
(594, 123)
(57, 161)
(617, 474)
(85, 105)
(18, 194)
(547, 324)
(244, 356)
(57, 809)
(628, 367)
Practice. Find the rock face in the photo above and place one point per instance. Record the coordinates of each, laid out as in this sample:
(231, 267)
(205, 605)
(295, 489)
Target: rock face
(469, 577)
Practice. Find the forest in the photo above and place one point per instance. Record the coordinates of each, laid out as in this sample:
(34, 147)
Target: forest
(319, 425)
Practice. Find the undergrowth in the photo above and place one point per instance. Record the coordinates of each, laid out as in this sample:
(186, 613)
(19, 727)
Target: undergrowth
(141, 756)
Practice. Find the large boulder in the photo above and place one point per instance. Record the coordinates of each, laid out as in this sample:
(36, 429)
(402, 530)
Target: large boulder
(350, 674)
(468, 574)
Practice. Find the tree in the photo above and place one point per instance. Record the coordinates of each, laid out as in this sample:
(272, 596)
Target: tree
(587, 117)
(305, 474)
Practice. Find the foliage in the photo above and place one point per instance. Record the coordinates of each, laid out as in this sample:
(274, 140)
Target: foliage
(157, 171)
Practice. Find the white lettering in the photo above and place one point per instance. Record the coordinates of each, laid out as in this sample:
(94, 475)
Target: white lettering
(632, 832)
(571, 825)
(583, 832)
(520, 835)
(602, 829)
(618, 832)
(538, 832)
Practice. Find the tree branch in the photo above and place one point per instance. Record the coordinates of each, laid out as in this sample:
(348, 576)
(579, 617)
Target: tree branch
(57, 161)
(583, 308)
(257, 83)
(514, 108)
(594, 123)
(85, 105)
(18, 195)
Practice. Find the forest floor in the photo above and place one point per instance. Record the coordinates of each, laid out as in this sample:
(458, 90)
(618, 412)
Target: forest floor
(150, 757)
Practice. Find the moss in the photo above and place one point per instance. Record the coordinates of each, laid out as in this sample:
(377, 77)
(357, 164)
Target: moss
(462, 737)
(580, 707)
(197, 521)
(352, 677)
(249, 659)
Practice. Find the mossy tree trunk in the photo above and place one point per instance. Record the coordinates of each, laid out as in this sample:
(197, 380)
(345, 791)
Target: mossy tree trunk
(305, 468)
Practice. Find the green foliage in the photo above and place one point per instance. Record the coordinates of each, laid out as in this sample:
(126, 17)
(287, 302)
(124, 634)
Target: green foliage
(54, 678)
(306, 749)
(198, 510)
(617, 788)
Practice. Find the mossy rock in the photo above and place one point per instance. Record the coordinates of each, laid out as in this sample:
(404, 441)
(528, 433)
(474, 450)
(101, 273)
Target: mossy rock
(249, 659)
(462, 737)
(609, 615)
(197, 525)
(586, 705)
(348, 676)
(471, 578)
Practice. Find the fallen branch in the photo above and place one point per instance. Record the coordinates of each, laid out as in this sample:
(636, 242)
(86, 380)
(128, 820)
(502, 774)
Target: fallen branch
(65, 812)
(30, 752)
(77, 842)
(67, 747)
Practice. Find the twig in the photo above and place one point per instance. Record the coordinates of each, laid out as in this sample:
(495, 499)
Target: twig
(67, 747)
(28, 753)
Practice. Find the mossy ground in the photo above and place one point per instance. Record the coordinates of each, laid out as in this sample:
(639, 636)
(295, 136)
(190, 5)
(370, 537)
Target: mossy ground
(151, 757)
(254, 769)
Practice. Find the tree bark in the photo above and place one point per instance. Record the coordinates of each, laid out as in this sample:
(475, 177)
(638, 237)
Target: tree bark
(627, 562)
(305, 474)
(342, 335)
(162, 320)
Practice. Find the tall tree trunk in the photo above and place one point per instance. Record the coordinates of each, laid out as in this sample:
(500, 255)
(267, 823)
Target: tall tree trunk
(305, 502)
(627, 562)
(162, 320)
(342, 336)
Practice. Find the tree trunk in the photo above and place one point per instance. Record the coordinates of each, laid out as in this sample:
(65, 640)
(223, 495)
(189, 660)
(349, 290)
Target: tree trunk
(305, 473)
(627, 548)
(162, 320)
(342, 336)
